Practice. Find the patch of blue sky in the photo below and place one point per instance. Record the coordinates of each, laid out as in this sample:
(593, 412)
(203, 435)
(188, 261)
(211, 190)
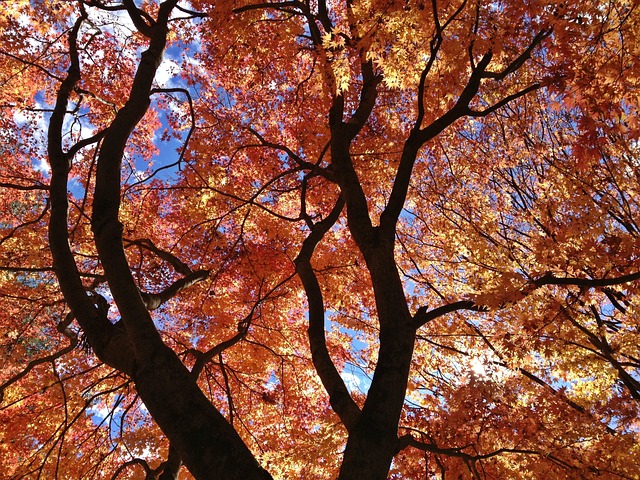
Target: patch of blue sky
(167, 163)
(354, 373)
(356, 378)
(113, 412)
(104, 411)
(273, 381)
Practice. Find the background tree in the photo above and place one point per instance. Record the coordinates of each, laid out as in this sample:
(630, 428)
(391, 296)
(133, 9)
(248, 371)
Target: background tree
(357, 239)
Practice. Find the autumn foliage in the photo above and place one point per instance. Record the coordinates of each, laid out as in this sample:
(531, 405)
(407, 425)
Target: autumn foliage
(358, 239)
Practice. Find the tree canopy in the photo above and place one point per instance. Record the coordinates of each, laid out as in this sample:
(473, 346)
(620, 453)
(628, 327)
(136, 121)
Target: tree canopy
(358, 239)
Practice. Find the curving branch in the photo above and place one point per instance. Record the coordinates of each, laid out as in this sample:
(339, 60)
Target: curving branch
(434, 48)
(155, 300)
(408, 440)
(25, 224)
(136, 461)
(202, 358)
(423, 315)
(550, 279)
(368, 96)
(107, 341)
(419, 136)
(171, 468)
(63, 327)
(142, 21)
(520, 59)
(279, 6)
(191, 13)
(85, 142)
(323, 172)
(106, 204)
(339, 396)
(204, 440)
(177, 264)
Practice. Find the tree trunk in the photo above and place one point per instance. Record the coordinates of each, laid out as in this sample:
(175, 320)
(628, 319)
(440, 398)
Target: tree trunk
(372, 442)
(207, 444)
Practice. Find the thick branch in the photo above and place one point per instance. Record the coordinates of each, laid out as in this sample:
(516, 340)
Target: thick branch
(424, 315)
(108, 343)
(339, 396)
(549, 279)
(154, 300)
(142, 22)
(107, 229)
(419, 137)
(85, 142)
(177, 264)
(171, 468)
(207, 444)
(368, 96)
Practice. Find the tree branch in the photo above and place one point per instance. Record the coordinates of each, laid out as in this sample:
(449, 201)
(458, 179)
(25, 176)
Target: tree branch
(522, 58)
(15, 186)
(503, 102)
(419, 136)
(107, 341)
(339, 396)
(140, 19)
(281, 6)
(549, 279)
(424, 315)
(177, 264)
(106, 227)
(73, 337)
(155, 300)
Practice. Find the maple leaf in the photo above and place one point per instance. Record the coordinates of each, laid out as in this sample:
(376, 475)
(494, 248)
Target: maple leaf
(362, 239)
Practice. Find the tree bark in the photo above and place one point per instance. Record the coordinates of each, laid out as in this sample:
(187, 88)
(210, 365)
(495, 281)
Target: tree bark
(207, 444)
(372, 442)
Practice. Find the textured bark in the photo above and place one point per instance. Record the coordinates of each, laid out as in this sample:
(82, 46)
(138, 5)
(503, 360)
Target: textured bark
(111, 346)
(207, 444)
(373, 440)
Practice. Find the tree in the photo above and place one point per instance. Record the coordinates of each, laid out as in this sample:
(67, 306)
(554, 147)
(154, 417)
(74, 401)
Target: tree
(357, 239)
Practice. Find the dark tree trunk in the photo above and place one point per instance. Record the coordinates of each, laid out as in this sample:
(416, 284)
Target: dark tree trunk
(372, 444)
(206, 443)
